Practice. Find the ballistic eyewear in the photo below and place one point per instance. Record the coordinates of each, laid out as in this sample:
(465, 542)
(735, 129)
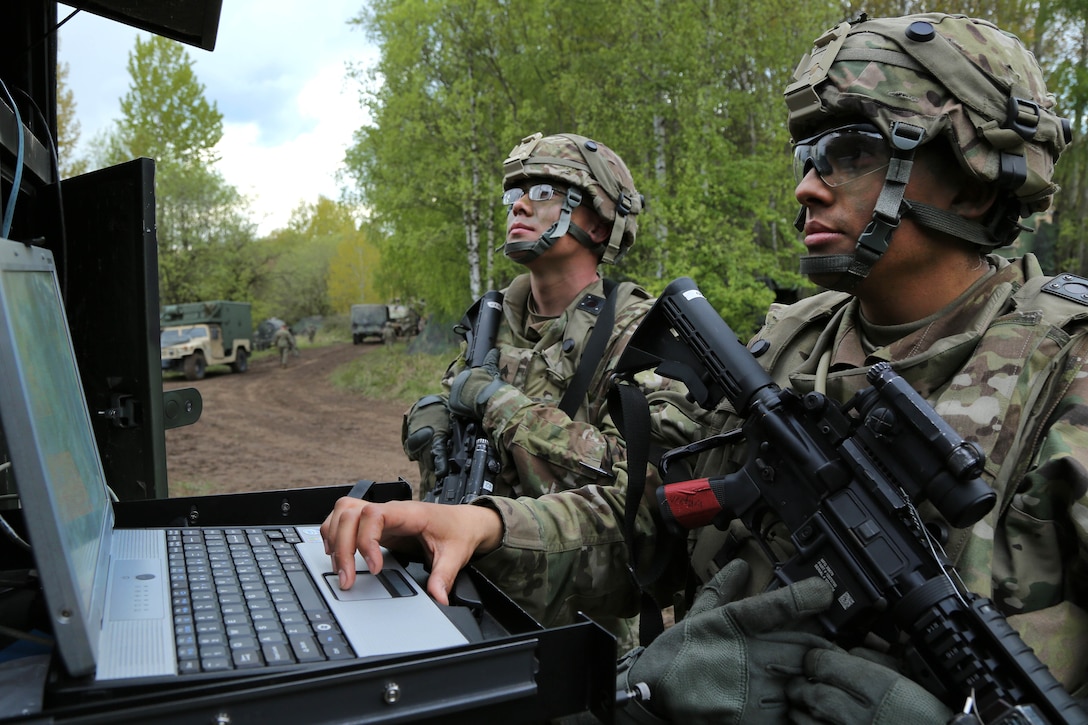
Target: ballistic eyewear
(536, 192)
(842, 154)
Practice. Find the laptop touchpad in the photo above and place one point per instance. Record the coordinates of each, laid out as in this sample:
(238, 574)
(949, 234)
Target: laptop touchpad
(386, 585)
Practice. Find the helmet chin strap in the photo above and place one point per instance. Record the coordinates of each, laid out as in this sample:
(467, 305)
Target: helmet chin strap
(523, 252)
(851, 269)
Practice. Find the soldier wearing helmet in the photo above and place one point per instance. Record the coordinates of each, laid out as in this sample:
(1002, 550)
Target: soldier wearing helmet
(947, 85)
(571, 206)
(585, 173)
(921, 143)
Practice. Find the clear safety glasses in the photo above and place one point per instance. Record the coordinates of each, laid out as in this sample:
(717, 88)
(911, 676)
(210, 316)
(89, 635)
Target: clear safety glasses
(842, 154)
(536, 192)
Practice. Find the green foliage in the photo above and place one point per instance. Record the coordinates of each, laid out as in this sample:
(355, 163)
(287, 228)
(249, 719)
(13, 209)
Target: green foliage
(68, 128)
(297, 264)
(164, 115)
(393, 373)
(352, 272)
(202, 223)
(688, 93)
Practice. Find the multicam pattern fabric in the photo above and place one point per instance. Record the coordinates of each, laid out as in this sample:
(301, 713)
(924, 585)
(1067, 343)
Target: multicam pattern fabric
(557, 157)
(1006, 366)
(883, 74)
(541, 449)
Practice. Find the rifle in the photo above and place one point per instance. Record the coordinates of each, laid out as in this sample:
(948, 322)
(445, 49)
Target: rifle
(845, 481)
(472, 458)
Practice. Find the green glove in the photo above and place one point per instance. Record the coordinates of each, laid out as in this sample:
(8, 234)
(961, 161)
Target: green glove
(425, 436)
(473, 387)
(729, 661)
(844, 688)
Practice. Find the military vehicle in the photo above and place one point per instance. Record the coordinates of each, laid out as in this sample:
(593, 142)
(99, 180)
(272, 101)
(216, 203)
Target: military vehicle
(197, 334)
(367, 322)
(404, 319)
(262, 339)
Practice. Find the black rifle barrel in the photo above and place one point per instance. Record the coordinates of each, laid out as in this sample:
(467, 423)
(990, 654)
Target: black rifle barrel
(472, 457)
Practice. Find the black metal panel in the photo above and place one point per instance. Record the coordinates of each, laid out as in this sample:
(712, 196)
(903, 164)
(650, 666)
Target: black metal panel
(28, 67)
(108, 263)
(286, 507)
(195, 22)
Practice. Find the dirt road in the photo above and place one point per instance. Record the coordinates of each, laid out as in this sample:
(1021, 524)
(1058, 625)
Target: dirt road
(270, 428)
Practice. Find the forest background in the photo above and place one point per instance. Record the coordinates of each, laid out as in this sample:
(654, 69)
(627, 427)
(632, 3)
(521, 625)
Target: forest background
(688, 92)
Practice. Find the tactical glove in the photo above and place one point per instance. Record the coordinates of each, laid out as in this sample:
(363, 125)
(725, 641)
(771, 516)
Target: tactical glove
(425, 435)
(473, 387)
(844, 688)
(729, 661)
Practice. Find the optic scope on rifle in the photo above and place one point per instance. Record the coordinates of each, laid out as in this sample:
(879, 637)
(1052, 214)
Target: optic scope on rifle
(684, 338)
(845, 481)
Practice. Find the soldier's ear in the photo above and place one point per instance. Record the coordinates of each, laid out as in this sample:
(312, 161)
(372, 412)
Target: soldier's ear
(973, 199)
(597, 228)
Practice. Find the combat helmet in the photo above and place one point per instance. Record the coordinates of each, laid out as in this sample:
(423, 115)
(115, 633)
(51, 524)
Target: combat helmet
(586, 167)
(917, 78)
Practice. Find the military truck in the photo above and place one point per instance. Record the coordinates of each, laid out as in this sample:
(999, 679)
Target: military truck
(404, 319)
(197, 334)
(367, 322)
(262, 340)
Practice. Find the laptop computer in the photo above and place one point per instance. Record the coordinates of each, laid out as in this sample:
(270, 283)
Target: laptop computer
(111, 593)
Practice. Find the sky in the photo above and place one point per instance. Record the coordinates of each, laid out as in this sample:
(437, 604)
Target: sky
(278, 75)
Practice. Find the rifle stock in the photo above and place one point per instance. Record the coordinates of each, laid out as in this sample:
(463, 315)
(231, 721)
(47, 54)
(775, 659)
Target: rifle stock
(472, 458)
(845, 481)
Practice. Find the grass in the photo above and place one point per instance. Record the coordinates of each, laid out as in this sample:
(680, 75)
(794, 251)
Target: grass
(392, 373)
(193, 488)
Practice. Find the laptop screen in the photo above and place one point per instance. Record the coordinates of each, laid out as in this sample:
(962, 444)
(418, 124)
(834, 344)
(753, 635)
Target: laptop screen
(57, 469)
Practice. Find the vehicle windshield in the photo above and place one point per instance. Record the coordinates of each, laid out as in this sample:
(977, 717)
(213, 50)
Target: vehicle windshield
(376, 315)
(178, 335)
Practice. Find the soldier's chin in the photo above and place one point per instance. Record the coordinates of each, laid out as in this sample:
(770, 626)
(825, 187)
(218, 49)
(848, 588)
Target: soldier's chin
(831, 279)
(519, 253)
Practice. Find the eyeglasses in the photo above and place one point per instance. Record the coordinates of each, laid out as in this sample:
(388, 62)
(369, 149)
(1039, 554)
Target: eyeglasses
(537, 192)
(842, 154)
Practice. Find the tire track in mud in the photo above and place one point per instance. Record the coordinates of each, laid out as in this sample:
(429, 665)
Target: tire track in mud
(273, 428)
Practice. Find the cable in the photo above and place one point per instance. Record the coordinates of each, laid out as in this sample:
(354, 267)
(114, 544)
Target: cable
(13, 534)
(17, 181)
(4, 525)
(19, 634)
(54, 155)
(51, 31)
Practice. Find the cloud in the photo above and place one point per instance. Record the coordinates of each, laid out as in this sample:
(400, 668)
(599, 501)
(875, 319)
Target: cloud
(279, 173)
(279, 79)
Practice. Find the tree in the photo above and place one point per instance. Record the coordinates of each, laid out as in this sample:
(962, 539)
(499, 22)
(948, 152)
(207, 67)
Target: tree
(298, 274)
(202, 222)
(68, 128)
(352, 272)
(688, 93)
(429, 169)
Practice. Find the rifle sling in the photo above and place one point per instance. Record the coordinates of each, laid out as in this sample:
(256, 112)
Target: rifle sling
(631, 414)
(587, 364)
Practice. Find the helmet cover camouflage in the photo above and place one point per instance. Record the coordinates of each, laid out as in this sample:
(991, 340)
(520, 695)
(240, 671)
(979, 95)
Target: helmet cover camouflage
(947, 74)
(590, 166)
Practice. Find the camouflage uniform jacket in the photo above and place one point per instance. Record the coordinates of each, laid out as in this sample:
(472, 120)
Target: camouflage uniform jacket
(283, 339)
(1005, 367)
(541, 448)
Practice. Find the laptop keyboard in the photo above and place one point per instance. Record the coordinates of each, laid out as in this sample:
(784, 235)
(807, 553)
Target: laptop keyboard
(242, 598)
